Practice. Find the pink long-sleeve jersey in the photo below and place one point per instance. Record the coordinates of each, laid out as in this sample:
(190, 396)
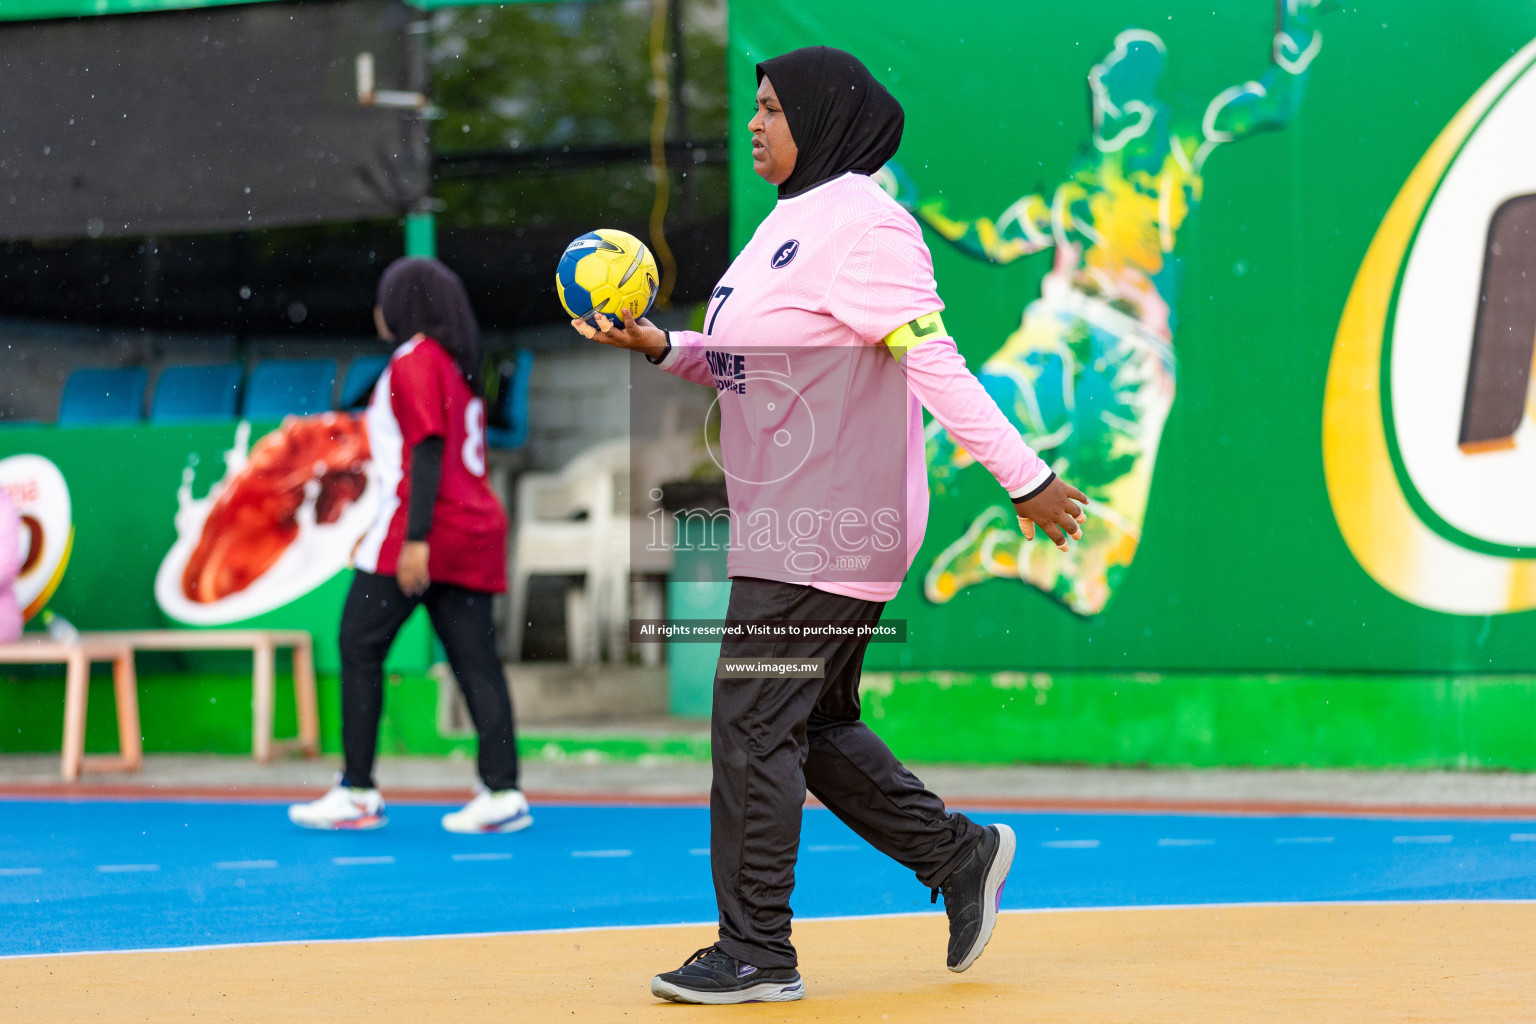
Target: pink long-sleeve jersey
(821, 420)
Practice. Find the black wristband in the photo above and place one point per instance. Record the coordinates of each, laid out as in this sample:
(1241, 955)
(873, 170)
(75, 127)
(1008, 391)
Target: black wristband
(664, 352)
(426, 474)
(1043, 485)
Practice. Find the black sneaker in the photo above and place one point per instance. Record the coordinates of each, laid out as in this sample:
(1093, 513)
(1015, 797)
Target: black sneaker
(714, 976)
(972, 893)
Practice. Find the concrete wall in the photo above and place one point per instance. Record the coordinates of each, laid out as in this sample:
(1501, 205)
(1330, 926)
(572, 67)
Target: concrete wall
(580, 394)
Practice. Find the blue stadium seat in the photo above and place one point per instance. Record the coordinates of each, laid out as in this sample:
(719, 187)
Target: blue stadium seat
(289, 387)
(103, 396)
(362, 374)
(187, 393)
(508, 426)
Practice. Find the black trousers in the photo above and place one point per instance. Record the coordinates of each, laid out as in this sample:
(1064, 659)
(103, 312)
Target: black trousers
(376, 608)
(774, 738)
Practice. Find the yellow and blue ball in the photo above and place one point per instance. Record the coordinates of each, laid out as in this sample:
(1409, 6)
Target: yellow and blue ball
(606, 271)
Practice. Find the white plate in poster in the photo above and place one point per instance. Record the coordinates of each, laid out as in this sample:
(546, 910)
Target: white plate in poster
(37, 489)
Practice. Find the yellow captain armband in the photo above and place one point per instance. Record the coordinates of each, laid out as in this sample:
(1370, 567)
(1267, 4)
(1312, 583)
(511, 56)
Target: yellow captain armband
(910, 335)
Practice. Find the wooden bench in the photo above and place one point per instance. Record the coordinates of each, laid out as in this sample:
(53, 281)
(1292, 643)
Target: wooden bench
(119, 648)
(263, 645)
(77, 658)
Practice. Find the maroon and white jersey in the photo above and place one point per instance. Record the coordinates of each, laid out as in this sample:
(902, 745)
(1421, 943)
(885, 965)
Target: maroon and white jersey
(422, 394)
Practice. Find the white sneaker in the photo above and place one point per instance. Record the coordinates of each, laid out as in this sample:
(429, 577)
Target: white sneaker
(341, 808)
(504, 811)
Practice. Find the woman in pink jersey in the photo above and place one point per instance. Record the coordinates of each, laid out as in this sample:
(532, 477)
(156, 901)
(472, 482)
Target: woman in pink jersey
(439, 540)
(824, 342)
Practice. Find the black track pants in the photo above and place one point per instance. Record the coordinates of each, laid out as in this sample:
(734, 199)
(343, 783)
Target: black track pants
(376, 608)
(774, 738)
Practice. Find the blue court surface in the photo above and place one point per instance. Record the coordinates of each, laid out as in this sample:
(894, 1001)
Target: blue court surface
(118, 875)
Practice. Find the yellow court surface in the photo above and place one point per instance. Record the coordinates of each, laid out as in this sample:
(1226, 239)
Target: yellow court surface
(1459, 962)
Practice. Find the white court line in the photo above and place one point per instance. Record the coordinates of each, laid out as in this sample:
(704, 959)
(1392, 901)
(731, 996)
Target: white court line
(830, 849)
(1422, 839)
(1070, 844)
(245, 865)
(117, 869)
(1522, 837)
(602, 853)
(696, 925)
(1186, 842)
(13, 872)
(1287, 840)
(699, 851)
(482, 856)
(347, 862)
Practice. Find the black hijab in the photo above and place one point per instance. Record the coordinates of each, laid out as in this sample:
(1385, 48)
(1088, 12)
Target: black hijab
(841, 118)
(422, 296)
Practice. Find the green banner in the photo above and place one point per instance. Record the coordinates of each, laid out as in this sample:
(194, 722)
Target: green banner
(1150, 226)
(127, 489)
(33, 10)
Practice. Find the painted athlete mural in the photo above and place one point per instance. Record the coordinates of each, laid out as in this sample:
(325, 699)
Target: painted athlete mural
(1088, 377)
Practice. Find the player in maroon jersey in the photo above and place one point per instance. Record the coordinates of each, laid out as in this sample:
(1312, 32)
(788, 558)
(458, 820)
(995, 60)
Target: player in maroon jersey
(439, 540)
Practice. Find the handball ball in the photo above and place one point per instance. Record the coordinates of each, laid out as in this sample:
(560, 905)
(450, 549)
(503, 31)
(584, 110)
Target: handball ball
(606, 271)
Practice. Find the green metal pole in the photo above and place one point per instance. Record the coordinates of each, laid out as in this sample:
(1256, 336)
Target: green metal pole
(421, 233)
(420, 222)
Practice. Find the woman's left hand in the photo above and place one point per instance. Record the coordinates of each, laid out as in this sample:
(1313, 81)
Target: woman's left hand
(1056, 511)
(411, 568)
(635, 335)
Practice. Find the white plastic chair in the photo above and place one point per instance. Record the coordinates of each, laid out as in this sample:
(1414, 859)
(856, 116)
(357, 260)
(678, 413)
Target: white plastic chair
(563, 524)
(643, 539)
(610, 546)
(610, 596)
(637, 558)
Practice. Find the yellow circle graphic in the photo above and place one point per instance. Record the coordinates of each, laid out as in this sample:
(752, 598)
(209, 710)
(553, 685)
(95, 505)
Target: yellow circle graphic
(1383, 531)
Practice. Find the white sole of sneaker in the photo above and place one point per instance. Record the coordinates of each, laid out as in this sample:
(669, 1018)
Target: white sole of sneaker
(774, 992)
(991, 894)
(373, 821)
(515, 825)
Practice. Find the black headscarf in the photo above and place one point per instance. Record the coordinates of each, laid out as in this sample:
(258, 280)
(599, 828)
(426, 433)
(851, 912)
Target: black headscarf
(841, 118)
(422, 296)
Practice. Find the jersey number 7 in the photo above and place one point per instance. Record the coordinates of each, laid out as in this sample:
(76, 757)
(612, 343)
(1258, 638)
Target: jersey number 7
(722, 293)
